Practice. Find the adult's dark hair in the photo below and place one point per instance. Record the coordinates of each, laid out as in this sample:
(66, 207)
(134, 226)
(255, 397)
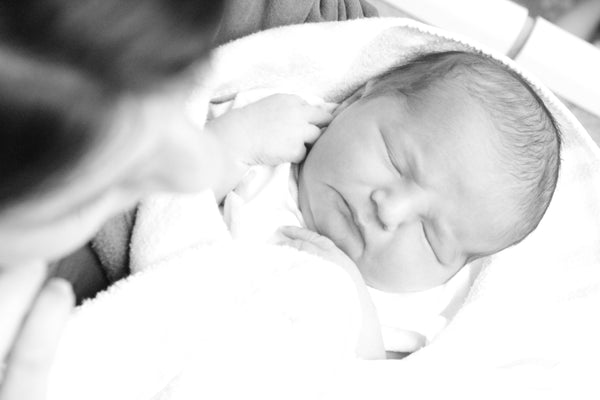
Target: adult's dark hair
(529, 136)
(63, 65)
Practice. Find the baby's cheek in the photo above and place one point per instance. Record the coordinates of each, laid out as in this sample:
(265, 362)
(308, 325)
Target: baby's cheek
(341, 233)
(400, 261)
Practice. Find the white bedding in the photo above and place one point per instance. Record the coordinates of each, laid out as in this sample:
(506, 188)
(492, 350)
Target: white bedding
(217, 318)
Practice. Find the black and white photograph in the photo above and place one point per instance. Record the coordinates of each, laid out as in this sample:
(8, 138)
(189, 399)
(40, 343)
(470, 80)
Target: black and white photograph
(299, 199)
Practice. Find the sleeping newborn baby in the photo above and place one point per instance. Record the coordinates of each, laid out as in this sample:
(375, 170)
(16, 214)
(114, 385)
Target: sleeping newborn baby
(424, 169)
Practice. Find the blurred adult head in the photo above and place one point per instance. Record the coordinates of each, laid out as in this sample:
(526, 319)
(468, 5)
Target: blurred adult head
(91, 113)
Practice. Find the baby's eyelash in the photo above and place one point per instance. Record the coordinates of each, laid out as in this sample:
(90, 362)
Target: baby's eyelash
(390, 154)
(430, 245)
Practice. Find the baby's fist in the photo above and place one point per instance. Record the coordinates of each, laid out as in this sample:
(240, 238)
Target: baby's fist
(311, 242)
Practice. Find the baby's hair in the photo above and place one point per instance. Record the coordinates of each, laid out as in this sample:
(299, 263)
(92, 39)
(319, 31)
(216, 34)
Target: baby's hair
(530, 150)
(64, 64)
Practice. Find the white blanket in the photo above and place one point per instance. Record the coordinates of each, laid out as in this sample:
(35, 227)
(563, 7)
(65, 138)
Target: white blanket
(217, 318)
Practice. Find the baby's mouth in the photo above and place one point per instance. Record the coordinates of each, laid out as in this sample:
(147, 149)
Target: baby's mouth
(357, 222)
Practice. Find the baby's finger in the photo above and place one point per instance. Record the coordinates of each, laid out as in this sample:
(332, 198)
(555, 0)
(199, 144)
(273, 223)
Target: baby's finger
(18, 287)
(318, 116)
(297, 233)
(31, 357)
(298, 156)
(312, 134)
(406, 341)
(301, 245)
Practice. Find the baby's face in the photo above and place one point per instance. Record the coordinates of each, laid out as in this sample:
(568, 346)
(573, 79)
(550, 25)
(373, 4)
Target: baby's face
(407, 191)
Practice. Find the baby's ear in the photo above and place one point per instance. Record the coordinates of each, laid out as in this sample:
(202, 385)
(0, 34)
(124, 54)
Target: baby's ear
(358, 94)
(368, 87)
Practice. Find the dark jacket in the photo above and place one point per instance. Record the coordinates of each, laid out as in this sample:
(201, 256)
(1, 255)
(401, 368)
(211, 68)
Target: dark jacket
(243, 17)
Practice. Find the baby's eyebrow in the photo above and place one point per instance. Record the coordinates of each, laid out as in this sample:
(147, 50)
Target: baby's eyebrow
(428, 240)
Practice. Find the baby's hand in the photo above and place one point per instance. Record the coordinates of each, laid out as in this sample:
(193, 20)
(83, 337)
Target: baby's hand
(311, 242)
(273, 130)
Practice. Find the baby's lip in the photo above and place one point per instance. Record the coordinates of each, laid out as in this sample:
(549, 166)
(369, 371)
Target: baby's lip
(356, 219)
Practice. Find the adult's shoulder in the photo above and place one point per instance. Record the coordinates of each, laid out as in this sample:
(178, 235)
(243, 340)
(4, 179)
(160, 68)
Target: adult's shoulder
(244, 17)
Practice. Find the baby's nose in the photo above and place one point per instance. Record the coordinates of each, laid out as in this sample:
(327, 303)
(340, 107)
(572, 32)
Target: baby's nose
(394, 207)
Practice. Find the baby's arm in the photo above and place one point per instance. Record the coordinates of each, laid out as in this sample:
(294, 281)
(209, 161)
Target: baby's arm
(370, 342)
(271, 131)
